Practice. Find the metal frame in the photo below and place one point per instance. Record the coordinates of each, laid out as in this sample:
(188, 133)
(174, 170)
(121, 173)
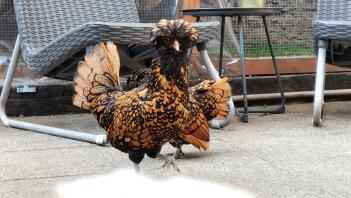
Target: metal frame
(97, 139)
(318, 101)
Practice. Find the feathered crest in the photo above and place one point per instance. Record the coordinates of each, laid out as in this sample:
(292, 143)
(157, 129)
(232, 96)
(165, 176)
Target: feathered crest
(174, 29)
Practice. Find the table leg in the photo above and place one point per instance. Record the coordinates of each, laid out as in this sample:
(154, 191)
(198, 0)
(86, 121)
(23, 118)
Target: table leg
(243, 117)
(281, 108)
(221, 47)
(197, 18)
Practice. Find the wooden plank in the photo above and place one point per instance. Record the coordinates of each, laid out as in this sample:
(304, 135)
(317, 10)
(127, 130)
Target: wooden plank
(254, 66)
(290, 65)
(190, 4)
(264, 66)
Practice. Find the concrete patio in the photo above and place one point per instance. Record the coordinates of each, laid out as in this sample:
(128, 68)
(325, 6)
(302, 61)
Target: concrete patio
(271, 156)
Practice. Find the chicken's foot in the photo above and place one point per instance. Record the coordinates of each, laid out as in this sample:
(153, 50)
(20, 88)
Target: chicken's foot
(169, 161)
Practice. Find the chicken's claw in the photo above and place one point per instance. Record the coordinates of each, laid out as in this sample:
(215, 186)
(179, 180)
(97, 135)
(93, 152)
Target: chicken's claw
(169, 161)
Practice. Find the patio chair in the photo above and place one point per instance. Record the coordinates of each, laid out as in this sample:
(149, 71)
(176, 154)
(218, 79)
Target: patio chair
(333, 22)
(7, 31)
(53, 36)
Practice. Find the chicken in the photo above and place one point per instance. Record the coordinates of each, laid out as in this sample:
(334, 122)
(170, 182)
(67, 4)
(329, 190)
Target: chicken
(143, 119)
(207, 100)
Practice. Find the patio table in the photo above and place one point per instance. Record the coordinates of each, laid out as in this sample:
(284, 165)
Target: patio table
(240, 13)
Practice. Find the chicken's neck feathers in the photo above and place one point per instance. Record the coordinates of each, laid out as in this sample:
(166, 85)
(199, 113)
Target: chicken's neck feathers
(169, 69)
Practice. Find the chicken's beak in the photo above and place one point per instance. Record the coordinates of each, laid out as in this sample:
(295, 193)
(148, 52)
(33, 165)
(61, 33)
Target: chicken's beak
(175, 45)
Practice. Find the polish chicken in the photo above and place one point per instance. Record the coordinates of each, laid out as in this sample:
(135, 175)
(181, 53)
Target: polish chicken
(143, 119)
(206, 101)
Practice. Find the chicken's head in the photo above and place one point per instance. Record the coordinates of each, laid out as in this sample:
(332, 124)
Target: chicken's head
(177, 35)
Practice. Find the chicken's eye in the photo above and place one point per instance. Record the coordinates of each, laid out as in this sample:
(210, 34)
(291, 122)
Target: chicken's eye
(184, 44)
(162, 41)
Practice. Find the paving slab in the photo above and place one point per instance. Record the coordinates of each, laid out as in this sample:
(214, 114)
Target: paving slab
(36, 141)
(51, 163)
(271, 156)
(40, 187)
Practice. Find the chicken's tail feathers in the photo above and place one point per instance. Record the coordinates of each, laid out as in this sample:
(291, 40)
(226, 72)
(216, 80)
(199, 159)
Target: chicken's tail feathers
(196, 142)
(223, 92)
(98, 73)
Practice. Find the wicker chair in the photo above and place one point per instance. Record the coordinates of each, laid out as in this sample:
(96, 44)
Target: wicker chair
(53, 36)
(7, 31)
(333, 22)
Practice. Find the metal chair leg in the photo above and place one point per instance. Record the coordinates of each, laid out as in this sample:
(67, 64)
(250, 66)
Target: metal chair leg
(221, 47)
(244, 115)
(98, 139)
(214, 75)
(319, 85)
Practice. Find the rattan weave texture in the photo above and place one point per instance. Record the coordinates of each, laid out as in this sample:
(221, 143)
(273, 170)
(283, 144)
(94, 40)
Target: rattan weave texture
(333, 20)
(53, 31)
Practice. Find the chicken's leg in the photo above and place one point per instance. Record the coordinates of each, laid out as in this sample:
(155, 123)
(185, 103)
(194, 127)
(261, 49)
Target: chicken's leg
(169, 161)
(178, 152)
(137, 167)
